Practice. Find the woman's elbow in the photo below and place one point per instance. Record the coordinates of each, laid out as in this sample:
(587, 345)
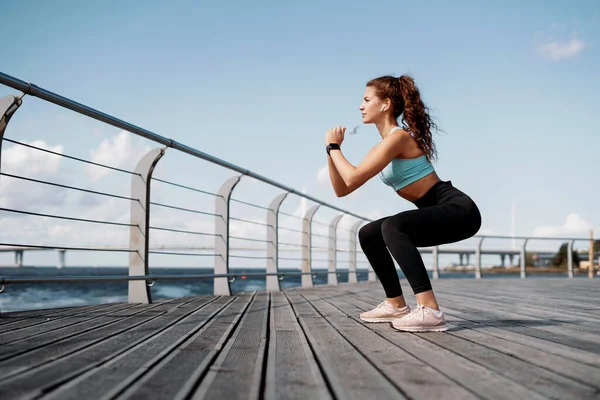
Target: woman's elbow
(355, 182)
(341, 193)
(346, 191)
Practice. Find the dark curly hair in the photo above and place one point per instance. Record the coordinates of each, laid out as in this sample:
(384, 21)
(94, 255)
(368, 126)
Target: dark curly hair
(406, 101)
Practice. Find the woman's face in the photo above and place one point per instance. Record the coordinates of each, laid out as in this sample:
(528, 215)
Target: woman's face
(372, 107)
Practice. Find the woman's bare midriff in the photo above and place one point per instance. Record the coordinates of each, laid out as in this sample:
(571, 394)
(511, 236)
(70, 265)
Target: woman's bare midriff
(417, 189)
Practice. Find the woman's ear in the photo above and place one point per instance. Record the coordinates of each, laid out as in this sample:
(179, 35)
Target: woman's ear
(386, 105)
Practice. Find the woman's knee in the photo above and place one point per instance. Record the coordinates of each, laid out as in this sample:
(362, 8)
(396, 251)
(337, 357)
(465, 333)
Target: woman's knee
(392, 226)
(369, 232)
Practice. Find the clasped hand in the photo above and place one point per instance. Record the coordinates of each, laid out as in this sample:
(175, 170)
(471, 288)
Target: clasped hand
(335, 135)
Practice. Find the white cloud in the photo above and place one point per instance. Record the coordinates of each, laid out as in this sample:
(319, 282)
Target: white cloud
(118, 152)
(41, 198)
(31, 163)
(323, 175)
(20, 160)
(574, 225)
(556, 50)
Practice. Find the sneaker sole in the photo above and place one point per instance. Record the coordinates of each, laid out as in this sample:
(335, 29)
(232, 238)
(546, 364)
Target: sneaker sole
(432, 329)
(375, 320)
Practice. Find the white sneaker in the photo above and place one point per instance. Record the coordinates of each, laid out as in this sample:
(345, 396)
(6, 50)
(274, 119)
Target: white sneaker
(421, 319)
(384, 312)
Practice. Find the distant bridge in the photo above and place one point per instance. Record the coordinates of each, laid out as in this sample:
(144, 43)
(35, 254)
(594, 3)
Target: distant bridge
(462, 252)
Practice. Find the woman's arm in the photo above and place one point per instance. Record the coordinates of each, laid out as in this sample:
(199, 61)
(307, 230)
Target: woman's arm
(339, 186)
(376, 159)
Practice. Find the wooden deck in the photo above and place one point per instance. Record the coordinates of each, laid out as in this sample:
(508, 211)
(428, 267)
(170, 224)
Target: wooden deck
(508, 339)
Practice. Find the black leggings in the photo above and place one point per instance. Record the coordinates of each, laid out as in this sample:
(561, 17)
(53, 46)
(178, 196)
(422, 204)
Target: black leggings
(443, 215)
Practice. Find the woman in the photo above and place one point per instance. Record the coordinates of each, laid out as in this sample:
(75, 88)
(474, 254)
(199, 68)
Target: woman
(402, 159)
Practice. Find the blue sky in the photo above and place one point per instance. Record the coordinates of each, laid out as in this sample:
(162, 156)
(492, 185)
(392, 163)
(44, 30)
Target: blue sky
(514, 86)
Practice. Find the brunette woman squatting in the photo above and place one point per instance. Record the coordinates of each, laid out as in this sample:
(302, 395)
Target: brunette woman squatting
(402, 159)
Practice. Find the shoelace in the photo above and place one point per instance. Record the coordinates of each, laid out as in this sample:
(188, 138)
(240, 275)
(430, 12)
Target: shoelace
(415, 312)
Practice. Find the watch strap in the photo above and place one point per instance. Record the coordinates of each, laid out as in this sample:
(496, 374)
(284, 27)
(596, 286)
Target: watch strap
(332, 146)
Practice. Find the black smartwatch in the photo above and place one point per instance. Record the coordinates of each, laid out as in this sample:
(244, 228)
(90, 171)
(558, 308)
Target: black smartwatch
(332, 146)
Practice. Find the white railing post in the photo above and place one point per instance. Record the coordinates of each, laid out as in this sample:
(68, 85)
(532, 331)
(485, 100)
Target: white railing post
(371, 277)
(307, 280)
(222, 200)
(139, 233)
(61, 258)
(523, 261)
(352, 278)
(570, 259)
(591, 255)
(273, 243)
(478, 257)
(436, 260)
(332, 268)
(19, 258)
(8, 105)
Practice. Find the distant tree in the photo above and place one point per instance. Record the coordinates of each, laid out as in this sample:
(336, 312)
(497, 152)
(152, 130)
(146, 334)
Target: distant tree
(529, 259)
(596, 246)
(560, 259)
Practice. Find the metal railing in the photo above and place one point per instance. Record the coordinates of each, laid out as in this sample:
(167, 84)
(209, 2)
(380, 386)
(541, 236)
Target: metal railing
(140, 227)
(223, 249)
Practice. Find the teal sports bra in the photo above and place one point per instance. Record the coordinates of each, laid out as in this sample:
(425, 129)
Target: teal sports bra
(401, 172)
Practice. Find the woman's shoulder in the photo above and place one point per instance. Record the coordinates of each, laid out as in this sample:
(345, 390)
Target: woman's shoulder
(398, 134)
(398, 139)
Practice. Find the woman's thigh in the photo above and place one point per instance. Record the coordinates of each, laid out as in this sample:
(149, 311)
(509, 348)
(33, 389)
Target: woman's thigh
(441, 224)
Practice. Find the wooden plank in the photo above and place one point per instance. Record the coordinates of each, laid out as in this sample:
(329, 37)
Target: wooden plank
(535, 327)
(570, 346)
(89, 350)
(536, 378)
(177, 374)
(543, 328)
(238, 368)
(543, 381)
(292, 371)
(59, 336)
(348, 373)
(44, 317)
(548, 307)
(64, 324)
(14, 315)
(582, 373)
(572, 321)
(535, 307)
(478, 378)
(62, 347)
(508, 339)
(413, 377)
(120, 371)
(585, 337)
(569, 298)
(51, 375)
(497, 329)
